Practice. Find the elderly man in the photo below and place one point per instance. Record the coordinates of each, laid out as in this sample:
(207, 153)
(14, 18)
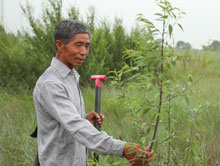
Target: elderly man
(64, 130)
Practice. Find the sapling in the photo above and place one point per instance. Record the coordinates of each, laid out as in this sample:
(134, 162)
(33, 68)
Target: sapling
(147, 72)
(149, 89)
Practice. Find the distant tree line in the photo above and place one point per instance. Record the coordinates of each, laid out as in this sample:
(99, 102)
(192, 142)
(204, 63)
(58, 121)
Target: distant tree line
(213, 46)
(181, 45)
(24, 56)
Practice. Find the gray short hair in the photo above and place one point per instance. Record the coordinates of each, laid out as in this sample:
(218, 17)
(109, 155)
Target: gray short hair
(65, 30)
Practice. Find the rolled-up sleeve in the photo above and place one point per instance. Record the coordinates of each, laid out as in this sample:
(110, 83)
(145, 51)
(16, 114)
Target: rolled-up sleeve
(58, 105)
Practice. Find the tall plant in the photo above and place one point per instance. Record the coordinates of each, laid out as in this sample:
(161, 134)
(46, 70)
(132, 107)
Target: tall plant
(147, 86)
(168, 12)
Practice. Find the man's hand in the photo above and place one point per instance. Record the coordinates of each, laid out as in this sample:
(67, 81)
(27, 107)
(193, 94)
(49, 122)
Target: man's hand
(136, 155)
(91, 118)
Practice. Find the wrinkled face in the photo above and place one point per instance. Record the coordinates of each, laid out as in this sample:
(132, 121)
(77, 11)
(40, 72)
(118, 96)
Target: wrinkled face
(74, 53)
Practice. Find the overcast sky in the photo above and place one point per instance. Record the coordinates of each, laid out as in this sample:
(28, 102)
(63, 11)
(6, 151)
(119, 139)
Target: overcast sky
(201, 23)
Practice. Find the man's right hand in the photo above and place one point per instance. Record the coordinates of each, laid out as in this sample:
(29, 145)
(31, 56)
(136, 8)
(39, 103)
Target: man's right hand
(136, 155)
(91, 118)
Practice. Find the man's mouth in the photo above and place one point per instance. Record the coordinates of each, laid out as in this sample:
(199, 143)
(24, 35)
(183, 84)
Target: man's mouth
(80, 60)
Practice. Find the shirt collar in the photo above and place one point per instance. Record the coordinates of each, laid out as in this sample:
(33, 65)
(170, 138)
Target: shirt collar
(63, 69)
(76, 74)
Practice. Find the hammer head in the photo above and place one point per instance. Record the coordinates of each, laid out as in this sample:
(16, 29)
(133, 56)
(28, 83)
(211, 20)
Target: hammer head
(98, 79)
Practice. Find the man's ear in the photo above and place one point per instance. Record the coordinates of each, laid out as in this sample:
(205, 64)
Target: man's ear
(59, 45)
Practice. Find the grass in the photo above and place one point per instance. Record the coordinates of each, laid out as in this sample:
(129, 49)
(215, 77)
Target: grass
(16, 123)
(17, 120)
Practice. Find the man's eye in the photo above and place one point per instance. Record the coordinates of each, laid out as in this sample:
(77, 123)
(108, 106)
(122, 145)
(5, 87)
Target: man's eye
(78, 45)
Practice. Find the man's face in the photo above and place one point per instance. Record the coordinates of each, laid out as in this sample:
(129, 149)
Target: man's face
(74, 53)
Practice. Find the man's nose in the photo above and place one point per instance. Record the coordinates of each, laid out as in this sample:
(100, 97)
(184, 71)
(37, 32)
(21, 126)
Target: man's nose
(84, 51)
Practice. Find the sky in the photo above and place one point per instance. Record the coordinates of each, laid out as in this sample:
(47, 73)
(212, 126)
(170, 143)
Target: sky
(201, 23)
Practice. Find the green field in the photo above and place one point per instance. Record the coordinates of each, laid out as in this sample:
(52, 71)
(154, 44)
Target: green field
(181, 82)
(17, 120)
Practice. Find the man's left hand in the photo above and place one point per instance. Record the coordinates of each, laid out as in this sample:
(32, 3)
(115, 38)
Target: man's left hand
(91, 118)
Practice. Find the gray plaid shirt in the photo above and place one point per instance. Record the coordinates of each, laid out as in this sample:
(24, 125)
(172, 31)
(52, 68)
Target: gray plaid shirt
(63, 131)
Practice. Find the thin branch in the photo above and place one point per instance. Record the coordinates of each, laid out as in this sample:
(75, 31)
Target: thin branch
(161, 88)
(182, 93)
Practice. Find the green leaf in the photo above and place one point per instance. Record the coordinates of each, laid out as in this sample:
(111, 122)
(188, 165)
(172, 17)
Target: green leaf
(146, 110)
(190, 78)
(174, 59)
(180, 26)
(155, 146)
(168, 66)
(158, 14)
(192, 154)
(187, 99)
(120, 75)
(174, 15)
(148, 130)
(134, 76)
(162, 7)
(170, 30)
(149, 86)
(165, 17)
